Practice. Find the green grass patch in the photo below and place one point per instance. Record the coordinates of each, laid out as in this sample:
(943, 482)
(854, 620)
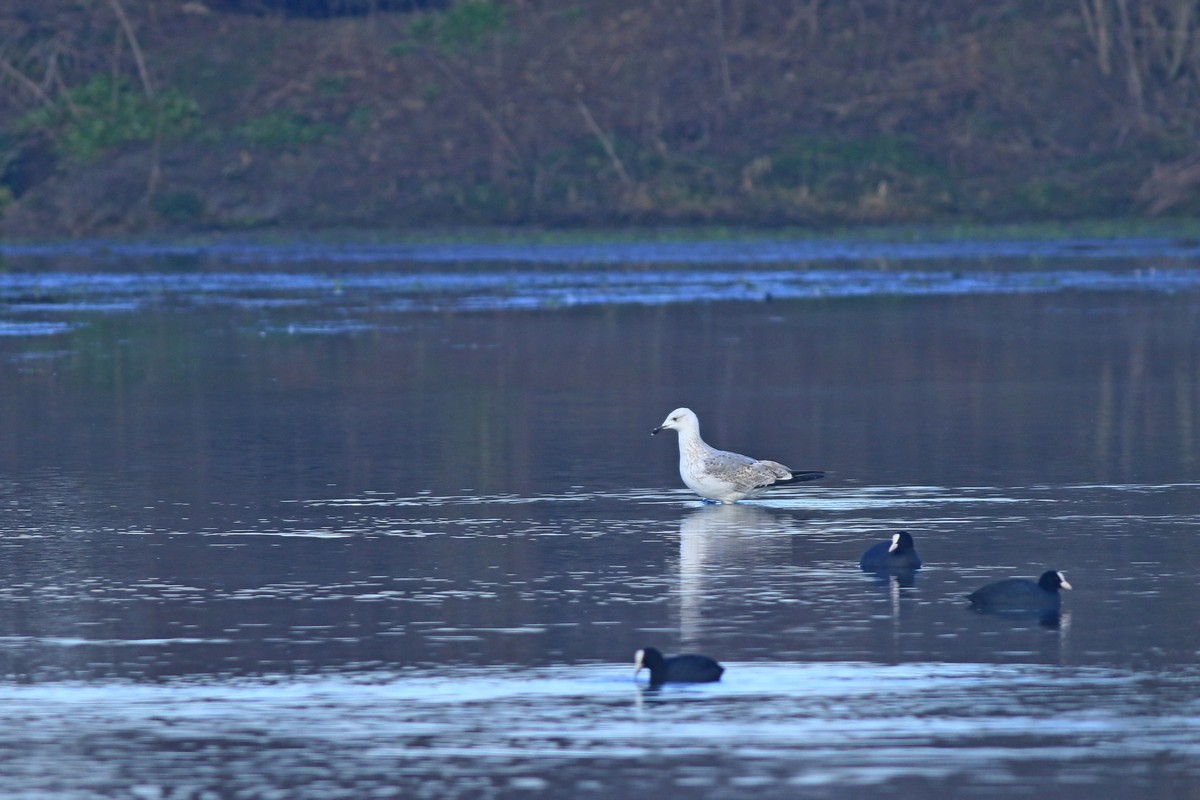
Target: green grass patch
(464, 27)
(106, 112)
(360, 118)
(283, 129)
(179, 208)
(330, 85)
(827, 163)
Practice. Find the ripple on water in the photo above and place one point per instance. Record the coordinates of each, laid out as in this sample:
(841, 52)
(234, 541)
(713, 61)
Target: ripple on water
(771, 725)
(426, 288)
(816, 513)
(36, 328)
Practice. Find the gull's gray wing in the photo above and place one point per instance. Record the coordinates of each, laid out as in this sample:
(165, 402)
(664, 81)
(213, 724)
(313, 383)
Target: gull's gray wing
(743, 472)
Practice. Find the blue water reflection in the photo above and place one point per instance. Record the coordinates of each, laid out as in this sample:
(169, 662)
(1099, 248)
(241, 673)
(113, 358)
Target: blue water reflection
(322, 522)
(781, 728)
(419, 290)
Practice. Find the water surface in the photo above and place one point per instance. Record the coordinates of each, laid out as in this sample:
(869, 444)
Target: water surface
(360, 522)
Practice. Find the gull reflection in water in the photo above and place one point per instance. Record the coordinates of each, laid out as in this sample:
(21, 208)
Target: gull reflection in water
(715, 540)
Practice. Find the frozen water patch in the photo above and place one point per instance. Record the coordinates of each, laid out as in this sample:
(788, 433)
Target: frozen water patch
(320, 328)
(408, 280)
(35, 328)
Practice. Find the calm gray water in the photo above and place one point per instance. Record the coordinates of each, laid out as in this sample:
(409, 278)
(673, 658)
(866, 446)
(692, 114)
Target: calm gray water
(361, 522)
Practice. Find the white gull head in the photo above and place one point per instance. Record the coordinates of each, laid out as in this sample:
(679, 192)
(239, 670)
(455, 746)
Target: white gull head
(681, 419)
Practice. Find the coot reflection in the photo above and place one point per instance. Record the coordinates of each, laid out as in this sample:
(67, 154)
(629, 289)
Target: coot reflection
(686, 668)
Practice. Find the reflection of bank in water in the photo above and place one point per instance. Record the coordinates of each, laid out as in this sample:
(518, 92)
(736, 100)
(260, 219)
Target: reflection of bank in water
(715, 539)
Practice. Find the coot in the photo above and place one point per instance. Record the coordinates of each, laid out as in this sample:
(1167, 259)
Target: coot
(687, 668)
(1020, 595)
(898, 555)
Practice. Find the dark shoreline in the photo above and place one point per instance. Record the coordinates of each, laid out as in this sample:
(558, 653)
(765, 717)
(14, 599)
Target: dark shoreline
(625, 114)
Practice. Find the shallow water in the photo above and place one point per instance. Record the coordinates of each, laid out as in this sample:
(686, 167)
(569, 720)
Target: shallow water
(291, 522)
(799, 729)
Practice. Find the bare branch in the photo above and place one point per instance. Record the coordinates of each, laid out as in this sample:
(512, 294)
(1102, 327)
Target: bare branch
(481, 107)
(1133, 76)
(134, 47)
(1170, 185)
(155, 172)
(24, 80)
(1099, 29)
(1181, 36)
(605, 142)
(722, 55)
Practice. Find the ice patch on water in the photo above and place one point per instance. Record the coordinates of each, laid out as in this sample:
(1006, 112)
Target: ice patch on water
(35, 328)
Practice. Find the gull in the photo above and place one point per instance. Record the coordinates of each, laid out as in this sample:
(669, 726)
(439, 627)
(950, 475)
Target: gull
(718, 475)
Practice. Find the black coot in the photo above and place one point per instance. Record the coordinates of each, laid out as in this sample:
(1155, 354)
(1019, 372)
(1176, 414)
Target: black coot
(1020, 595)
(687, 668)
(898, 555)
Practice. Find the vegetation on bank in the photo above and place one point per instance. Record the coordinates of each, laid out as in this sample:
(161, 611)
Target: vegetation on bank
(136, 116)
